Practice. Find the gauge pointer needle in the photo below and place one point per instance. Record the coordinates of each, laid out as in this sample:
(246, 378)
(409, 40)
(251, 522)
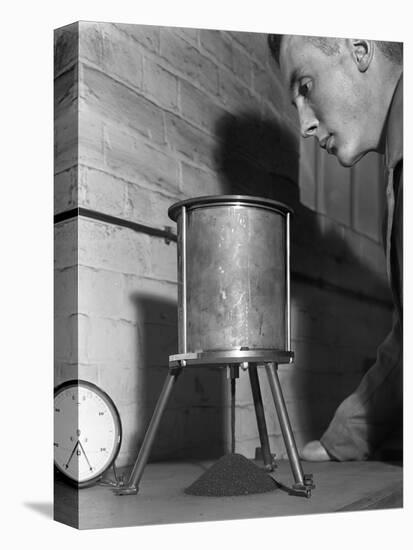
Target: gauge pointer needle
(72, 453)
(79, 443)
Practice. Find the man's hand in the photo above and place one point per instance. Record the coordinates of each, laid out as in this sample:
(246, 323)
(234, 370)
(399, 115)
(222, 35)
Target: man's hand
(314, 452)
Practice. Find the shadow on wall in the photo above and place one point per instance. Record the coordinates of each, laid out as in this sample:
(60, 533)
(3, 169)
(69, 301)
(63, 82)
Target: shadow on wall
(193, 424)
(259, 157)
(255, 157)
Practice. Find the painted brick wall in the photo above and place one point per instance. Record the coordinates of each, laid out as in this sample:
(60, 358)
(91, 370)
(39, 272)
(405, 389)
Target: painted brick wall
(146, 116)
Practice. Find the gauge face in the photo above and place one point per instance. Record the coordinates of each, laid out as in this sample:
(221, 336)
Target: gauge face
(87, 431)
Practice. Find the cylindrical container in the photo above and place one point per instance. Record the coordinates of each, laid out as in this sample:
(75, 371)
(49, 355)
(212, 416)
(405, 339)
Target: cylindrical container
(233, 273)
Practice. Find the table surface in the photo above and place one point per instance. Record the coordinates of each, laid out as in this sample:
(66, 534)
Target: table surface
(347, 486)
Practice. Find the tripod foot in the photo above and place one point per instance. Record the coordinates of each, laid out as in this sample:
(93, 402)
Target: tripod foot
(120, 491)
(304, 488)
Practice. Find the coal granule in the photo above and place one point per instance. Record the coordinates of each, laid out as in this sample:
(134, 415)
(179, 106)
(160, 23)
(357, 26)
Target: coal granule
(232, 475)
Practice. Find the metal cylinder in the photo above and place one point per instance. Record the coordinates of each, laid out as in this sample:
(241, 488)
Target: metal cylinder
(233, 270)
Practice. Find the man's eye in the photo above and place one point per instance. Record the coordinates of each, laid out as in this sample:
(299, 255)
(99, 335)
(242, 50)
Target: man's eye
(304, 88)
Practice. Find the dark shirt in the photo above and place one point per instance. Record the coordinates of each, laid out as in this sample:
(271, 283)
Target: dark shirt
(394, 195)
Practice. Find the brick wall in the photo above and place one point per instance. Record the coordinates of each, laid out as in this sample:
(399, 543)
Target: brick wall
(146, 116)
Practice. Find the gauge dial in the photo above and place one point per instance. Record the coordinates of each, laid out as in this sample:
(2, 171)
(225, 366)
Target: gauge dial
(87, 431)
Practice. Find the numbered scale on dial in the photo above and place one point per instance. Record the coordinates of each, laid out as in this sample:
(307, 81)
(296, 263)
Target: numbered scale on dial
(87, 432)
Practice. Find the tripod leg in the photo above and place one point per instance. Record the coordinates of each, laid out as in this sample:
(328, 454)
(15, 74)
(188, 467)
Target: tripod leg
(131, 487)
(302, 483)
(232, 375)
(233, 415)
(259, 412)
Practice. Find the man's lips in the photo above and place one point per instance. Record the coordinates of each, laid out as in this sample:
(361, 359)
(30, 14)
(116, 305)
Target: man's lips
(327, 143)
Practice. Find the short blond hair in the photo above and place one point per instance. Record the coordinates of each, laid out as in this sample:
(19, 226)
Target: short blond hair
(331, 46)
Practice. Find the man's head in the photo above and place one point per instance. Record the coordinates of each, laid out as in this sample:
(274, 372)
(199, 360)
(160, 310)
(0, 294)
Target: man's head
(342, 89)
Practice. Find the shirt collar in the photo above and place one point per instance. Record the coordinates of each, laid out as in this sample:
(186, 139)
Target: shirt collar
(394, 132)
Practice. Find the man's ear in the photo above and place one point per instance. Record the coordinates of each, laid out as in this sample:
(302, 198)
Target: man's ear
(363, 51)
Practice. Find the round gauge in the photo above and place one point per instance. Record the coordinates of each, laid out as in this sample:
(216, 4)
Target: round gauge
(87, 432)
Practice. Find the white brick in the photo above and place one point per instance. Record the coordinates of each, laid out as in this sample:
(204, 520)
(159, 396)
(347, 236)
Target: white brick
(73, 371)
(131, 425)
(65, 46)
(163, 260)
(66, 190)
(122, 383)
(160, 85)
(66, 339)
(187, 59)
(101, 293)
(108, 341)
(111, 50)
(91, 142)
(190, 35)
(149, 206)
(64, 371)
(242, 65)
(145, 35)
(189, 140)
(139, 203)
(150, 300)
(243, 394)
(65, 91)
(254, 43)
(104, 98)
(246, 422)
(235, 95)
(101, 191)
(199, 182)
(198, 107)
(90, 41)
(66, 138)
(217, 44)
(65, 244)
(268, 85)
(112, 247)
(142, 163)
(247, 447)
(65, 291)
(126, 156)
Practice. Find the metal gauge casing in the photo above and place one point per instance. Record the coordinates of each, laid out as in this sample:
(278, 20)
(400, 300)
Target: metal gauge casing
(87, 432)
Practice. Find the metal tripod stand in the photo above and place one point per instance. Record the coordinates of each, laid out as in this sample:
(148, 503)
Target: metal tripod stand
(245, 359)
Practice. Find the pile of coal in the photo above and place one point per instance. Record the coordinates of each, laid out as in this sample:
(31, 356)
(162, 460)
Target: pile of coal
(232, 475)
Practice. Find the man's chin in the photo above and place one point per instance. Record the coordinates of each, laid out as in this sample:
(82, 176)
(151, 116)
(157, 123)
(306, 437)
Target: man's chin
(348, 160)
(346, 163)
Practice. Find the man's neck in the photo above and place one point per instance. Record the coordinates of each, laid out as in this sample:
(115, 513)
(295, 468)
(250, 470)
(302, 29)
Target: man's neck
(386, 100)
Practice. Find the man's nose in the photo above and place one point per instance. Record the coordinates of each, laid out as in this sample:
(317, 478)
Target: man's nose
(308, 123)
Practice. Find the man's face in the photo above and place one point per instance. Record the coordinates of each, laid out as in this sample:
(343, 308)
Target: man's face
(330, 98)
